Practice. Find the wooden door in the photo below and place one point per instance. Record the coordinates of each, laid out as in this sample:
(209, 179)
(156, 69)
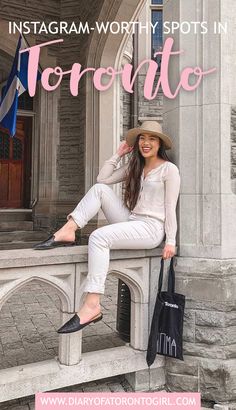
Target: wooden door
(12, 167)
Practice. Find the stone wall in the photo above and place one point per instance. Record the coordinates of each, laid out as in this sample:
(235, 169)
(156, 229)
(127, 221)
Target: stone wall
(233, 147)
(75, 48)
(71, 166)
(126, 111)
(209, 335)
(209, 364)
(149, 109)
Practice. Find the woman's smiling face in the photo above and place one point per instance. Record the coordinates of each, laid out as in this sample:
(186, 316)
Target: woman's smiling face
(148, 145)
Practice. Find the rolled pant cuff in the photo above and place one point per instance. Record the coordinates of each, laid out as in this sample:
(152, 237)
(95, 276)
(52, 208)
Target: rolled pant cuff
(93, 288)
(78, 222)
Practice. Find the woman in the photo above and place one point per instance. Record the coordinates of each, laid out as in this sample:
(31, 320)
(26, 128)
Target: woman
(141, 221)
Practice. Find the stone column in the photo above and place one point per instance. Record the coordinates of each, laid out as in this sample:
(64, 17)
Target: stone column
(200, 124)
(48, 134)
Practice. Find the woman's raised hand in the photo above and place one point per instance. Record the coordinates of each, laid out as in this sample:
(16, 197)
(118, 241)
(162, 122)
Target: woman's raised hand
(124, 148)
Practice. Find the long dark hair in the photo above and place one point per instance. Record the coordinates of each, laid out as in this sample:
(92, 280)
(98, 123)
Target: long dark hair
(134, 172)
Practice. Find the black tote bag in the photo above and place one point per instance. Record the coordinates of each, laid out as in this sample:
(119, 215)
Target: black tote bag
(166, 335)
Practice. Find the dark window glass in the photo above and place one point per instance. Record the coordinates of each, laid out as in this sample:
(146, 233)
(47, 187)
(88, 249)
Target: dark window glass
(4, 146)
(25, 102)
(157, 1)
(17, 148)
(157, 37)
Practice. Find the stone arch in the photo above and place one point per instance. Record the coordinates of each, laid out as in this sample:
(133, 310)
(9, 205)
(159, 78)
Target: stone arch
(65, 292)
(62, 289)
(134, 282)
(103, 109)
(139, 291)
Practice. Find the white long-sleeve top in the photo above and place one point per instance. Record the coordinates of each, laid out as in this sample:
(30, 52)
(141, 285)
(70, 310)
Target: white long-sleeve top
(158, 195)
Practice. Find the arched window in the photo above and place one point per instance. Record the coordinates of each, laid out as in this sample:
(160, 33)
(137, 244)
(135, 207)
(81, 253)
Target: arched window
(157, 36)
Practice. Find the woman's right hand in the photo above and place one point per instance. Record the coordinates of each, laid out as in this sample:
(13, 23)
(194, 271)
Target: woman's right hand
(124, 148)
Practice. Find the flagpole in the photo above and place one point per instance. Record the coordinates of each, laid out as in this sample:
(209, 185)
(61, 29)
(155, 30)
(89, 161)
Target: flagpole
(28, 46)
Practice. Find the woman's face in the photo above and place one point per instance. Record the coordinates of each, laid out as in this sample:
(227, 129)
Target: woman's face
(148, 145)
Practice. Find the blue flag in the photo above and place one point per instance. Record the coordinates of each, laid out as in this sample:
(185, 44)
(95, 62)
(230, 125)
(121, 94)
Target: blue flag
(17, 84)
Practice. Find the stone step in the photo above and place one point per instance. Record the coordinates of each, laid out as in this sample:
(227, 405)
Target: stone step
(9, 226)
(18, 245)
(22, 236)
(12, 215)
(206, 408)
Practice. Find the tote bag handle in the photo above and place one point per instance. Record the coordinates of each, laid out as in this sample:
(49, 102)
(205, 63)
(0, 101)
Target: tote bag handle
(171, 277)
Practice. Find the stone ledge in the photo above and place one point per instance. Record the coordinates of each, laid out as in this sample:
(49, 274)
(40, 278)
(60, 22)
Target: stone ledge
(200, 266)
(50, 375)
(29, 257)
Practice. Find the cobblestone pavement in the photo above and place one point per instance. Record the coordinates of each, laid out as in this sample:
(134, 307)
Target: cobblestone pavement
(28, 324)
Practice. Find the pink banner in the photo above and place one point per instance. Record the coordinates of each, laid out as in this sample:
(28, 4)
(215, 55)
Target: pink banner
(118, 401)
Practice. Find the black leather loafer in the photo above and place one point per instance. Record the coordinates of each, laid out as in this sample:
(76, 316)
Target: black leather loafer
(51, 243)
(73, 325)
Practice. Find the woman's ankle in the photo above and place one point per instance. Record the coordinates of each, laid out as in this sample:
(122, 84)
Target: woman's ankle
(92, 300)
(71, 225)
(92, 305)
(65, 234)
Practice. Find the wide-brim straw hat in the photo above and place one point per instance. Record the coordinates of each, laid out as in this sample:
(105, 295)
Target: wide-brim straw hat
(150, 127)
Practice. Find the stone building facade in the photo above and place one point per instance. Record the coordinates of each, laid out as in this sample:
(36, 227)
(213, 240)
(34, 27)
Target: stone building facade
(72, 136)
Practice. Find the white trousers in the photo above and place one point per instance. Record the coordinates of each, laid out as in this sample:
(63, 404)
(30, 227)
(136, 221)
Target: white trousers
(125, 231)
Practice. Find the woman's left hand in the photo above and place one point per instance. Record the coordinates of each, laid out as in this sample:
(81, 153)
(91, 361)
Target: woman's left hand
(168, 251)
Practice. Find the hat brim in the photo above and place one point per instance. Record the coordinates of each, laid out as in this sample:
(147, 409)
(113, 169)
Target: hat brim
(134, 132)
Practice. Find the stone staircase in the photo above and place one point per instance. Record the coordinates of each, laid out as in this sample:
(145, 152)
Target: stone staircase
(16, 229)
